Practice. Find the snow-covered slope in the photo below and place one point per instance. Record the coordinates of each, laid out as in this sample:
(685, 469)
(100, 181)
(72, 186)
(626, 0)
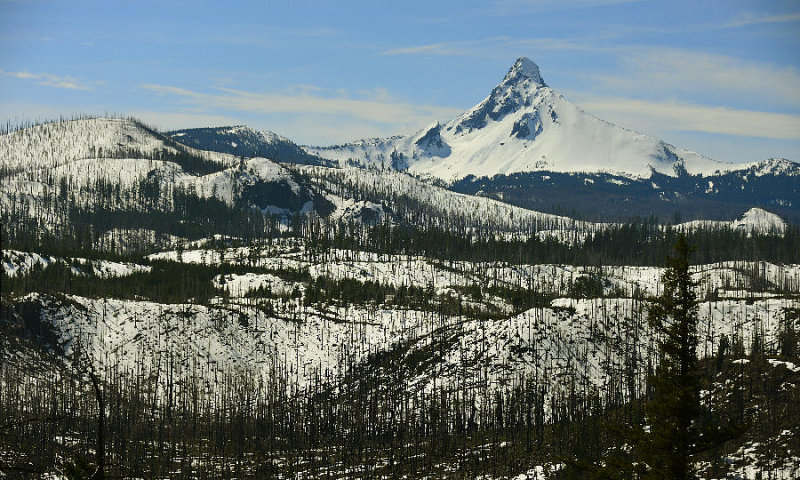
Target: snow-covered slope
(773, 166)
(761, 221)
(408, 196)
(754, 220)
(57, 143)
(522, 126)
(109, 162)
(16, 263)
(571, 336)
(244, 141)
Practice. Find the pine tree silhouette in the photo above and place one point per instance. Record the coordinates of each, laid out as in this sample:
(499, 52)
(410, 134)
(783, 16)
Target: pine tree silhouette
(674, 412)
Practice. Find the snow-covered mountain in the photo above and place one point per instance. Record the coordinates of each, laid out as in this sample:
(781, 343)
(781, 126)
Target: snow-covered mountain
(244, 141)
(754, 220)
(108, 167)
(56, 144)
(527, 145)
(523, 126)
(114, 165)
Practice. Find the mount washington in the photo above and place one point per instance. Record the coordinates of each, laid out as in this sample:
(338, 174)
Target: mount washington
(524, 126)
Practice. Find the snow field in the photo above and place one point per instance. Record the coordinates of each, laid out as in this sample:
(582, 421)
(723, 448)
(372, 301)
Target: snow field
(19, 263)
(587, 342)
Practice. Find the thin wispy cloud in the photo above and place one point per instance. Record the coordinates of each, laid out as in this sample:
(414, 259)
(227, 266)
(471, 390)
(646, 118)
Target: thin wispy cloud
(652, 116)
(377, 107)
(170, 90)
(497, 47)
(674, 71)
(319, 108)
(49, 80)
(752, 18)
(734, 54)
(442, 48)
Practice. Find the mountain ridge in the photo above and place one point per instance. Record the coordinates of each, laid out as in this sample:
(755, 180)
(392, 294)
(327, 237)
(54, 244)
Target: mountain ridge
(524, 144)
(524, 125)
(244, 141)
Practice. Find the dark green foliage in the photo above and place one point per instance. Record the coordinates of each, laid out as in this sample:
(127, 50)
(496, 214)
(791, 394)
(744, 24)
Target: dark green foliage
(344, 292)
(188, 216)
(166, 282)
(626, 244)
(607, 197)
(520, 298)
(281, 194)
(191, 163)
(78, 469)
(322, 291)
(674, 412)
(788, 336)
(593, 285)
(588, 286)
(247, 143)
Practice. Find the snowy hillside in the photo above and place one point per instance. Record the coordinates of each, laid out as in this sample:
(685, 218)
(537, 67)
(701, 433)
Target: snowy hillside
(522, 126)
(774, 166)
(475, 300)
(55, 144)
(400, 191)
(754, 220)
(759, 220)
(441, 205)
(404, 297)
(244, 141)
(265, 321)
(121, 165)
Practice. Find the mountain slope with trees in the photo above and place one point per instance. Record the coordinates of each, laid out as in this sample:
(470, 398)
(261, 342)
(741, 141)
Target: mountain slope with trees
(170, 311)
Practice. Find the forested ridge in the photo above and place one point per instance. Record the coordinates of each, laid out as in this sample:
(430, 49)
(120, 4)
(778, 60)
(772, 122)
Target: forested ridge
(369, 419)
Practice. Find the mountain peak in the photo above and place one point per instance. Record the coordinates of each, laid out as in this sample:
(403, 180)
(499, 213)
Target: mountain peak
(524, 69)
(518, 90)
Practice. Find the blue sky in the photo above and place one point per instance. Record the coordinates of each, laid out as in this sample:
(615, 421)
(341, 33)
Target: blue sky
(718, 77)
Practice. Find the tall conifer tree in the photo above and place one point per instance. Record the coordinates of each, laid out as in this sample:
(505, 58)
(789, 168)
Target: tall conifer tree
(675, 410)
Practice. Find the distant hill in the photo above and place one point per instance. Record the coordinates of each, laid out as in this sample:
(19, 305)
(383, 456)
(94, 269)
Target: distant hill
(246, 142)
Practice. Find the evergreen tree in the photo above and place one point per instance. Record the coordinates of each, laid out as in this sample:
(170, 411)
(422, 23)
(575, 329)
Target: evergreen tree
(675, 410)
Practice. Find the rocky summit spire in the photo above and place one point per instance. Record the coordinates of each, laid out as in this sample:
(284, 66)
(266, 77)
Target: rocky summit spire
(524, 69)
(517, 90)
